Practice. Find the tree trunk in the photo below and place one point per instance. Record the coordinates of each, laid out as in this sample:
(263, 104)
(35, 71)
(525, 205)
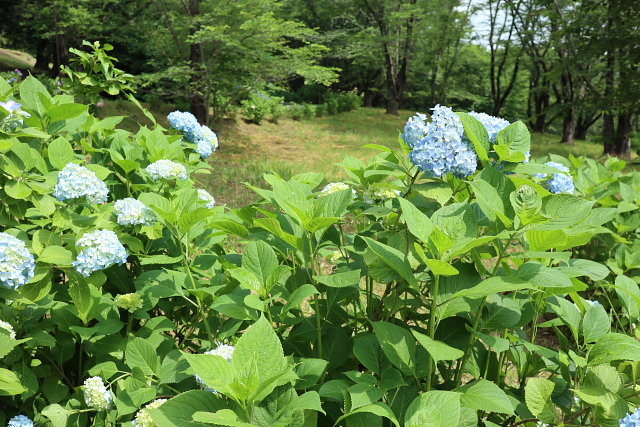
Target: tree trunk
(197, 100)
(568, 128)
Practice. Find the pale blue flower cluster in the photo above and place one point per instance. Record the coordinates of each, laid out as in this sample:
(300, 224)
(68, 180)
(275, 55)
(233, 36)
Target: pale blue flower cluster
(17, 265)
(132, 211)
(14, 120)
(166, 169)
(334, 187)
(558, 182)
(443, 149)
(20, 421)
(205, 138)
(102, 249)
(204, 195)
(493, 124)
(76, 181)
(415, 129)
(631, 420)
(223, 350)
(96, 395)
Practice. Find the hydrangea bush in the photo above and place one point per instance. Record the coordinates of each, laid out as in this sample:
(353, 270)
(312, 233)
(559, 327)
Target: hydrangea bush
(420, 302)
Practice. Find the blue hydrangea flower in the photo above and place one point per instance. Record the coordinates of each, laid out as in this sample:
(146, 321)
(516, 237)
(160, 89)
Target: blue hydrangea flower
(558, 182)
(166, 169)
(443, 149)
(415, 129)
(185, 123)
(14, 120)
(631, 420)
(223, 350)
(17, 265)
(102, 249)
(207, 142)
(132, 211)
(20, 421)
(491, 123)
(76, 181)
(204, 195)
(96, 395)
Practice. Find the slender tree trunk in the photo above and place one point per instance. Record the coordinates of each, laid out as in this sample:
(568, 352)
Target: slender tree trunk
(197, 100)
(569, 128)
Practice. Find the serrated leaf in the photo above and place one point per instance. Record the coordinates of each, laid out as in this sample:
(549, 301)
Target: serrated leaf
(483, 395)
(614, 346)
(259, 258)
(537, 394)
(10, 383)
(378, 408)
(437, 349)
(434, 409)
(142, 354)
(341, 279)
(394, 259)
(57, 415)
(398, 345)
(493, 285)
(418, 223)
(595, 324)
(179, 410)
(477, 134)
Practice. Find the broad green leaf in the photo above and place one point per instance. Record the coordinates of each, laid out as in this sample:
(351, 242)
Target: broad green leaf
(10, 383)
(224, 417)
(527, 203)
(394, 259)
(142, 354)
(398, 345)
(629, 294)
(273, 226)
(483, 395)
(341, 279)
(595, 324)
(603, 376)
(247, 279)
(29, 94)
(434, 409)
(57, 415)
(608, 407)
(17, 189)
(309, 371)
(418, 223)
(437, 349)
(187, 220)
(215, 371)
(614, 346)
(60, 153)
(377, 408)
(369, 352)
(515, 136)
(542, 276)
(179, 410)
(65, 112)
(440, 267)
(537, 395)
(160, 259)
(363, 394)
(260, 259)
(584, 267)
(565, 210)
(493, 285)
(299, 296)
(56, 255)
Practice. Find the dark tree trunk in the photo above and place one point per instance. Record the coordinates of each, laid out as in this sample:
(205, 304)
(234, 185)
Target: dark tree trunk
(568, 128)
(584, 122)
(197, 100)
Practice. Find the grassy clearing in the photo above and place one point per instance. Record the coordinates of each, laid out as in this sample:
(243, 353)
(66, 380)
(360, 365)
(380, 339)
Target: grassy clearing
(11, 59)
(290, 147)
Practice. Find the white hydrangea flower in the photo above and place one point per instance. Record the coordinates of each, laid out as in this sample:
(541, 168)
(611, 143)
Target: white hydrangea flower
(130, 302)
(380, 191)
(143, 418)
(132, 211)
(77, 181)
(102, 249)
(334, 187)
(166, 169)
(17, 265)
(204, 195)
(96, 394)
(7, 326)
(20, 421)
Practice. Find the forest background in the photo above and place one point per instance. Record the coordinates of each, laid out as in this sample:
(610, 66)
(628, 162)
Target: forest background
(565, 67)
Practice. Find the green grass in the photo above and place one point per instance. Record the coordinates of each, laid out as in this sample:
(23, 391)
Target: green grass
(289, 147)
(11, 59)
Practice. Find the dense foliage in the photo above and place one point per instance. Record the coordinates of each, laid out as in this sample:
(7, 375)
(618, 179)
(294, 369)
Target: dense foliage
(418, 293)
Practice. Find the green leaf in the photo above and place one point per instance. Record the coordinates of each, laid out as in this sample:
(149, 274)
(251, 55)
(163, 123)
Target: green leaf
(434, 409)
(247, 279)
(516, 136)
(440, 267)
(341, 279)
(225, 417)
(437, 349)
(17, 189)
(369, 352)
(56, 255)
(309, 371)
(614, 346)
(299, 296)
(398, 345)
(60, 153)
(378, 408)
(542, 276)
(483, 395)
(537, 395)
(418, 223)
(57, 415)
(273, 226)
(394, 259)
(142, 354)
(179, 410)
(260, 259)
(595, 324)
(10, 383)
(477, 134)
(565, 210)
(66, 111)
(493, 285)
